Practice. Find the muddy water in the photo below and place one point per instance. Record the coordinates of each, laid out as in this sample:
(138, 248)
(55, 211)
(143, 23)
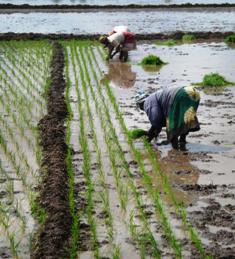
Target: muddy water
(139, 22)
(112, 2)
(203, 175)
(186, 64)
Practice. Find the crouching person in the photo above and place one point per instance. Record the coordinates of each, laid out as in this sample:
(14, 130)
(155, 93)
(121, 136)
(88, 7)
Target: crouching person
(174, 108)
(120, 40)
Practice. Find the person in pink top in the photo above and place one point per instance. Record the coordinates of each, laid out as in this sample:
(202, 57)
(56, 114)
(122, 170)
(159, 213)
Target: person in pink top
(119, 40)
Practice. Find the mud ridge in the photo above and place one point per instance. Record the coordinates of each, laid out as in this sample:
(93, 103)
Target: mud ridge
(152, 36)
(110, 6)
(53, 237)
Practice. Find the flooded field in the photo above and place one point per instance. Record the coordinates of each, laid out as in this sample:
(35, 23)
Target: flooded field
(102, 193)
(111, 2)
(138, 21)
(199, 176)
(22, 104)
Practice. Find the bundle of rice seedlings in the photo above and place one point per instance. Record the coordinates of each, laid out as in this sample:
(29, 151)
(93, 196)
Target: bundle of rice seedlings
(137, 133)
(152, 60)
(214, 80)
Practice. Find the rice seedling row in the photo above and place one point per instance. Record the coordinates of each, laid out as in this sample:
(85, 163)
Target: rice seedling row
(87, 163)
(168, 189)
(29, 58)
(24, 80)
(179, 207)
(154, 194)
(118, 164)
(20, 153)
(124, 169)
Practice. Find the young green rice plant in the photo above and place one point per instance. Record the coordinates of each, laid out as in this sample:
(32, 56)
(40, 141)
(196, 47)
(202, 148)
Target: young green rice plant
(5, 223)
(215, 80)
(151, 60)
(12, 76)
(103, 195)
(123, 194)
(120, 154)
(188, 38)
(230, 39)
(154, 194)
(169, 42)
(182, 212)
(86, 168)
(69, 158)
(179, 206)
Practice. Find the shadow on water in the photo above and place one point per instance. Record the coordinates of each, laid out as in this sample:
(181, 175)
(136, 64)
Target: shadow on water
(120, 75)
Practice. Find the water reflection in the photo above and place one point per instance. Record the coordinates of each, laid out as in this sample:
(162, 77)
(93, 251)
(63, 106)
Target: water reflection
(120, 75)
(179, 170)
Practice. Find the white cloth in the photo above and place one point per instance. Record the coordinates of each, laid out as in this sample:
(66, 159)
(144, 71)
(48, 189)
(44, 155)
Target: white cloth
(116, 39)
(120, 28)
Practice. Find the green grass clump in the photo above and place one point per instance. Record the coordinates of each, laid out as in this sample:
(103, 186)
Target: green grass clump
(169, 42)
(136, 133)
(152, 60)
(188, 38)
(214, 80)
(230, 39)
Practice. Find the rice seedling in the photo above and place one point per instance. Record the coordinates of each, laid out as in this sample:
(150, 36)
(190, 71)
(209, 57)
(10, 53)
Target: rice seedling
(193, 234)
(188, 38)
(151, 60)
(215, 80)
(86, 167)
(169, 42)
(213, 83)
(147, 180)
(137, 133)
(230, 39)
(125, 164)
(19, 100)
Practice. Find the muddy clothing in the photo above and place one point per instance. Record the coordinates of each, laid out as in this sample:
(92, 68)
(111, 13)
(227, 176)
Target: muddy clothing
(174, 108)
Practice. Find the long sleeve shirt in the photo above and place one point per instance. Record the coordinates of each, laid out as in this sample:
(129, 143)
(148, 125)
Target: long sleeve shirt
(157, 106)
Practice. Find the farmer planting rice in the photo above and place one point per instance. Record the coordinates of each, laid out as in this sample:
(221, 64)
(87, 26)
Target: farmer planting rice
(119, 40)
(173, 108)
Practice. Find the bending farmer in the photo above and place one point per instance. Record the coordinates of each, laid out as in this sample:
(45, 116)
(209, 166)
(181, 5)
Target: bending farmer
(174, 108)
(119, 40)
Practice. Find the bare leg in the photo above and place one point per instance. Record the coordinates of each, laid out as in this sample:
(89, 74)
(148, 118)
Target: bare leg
(183, 138)
(121, 56)
(125, 56)
(174, 142)
(110, 49)
(153, 133)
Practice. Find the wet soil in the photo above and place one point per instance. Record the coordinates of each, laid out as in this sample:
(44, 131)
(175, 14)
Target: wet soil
(53, 236)
(148, 38)
(202, 175)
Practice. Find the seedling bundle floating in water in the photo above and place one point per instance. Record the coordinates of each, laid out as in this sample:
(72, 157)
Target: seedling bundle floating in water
(152, 60)
(214, 80)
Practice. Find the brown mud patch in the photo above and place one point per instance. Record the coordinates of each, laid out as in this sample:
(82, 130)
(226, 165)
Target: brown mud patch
(200, 36)
(54, 234)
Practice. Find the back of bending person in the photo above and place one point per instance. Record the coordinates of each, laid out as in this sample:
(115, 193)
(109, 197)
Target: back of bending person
(174, 108)
(119, 40)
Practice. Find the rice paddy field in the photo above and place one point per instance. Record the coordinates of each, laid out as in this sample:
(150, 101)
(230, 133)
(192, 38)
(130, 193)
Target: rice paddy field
(73, 182)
